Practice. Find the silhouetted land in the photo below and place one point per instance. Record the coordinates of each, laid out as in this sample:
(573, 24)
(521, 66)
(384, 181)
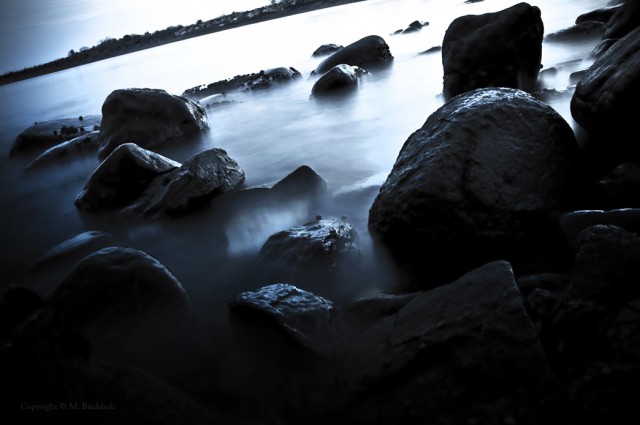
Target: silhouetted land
(130, 43)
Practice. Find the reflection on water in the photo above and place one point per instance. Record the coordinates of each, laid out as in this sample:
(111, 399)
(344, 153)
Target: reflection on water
(351, 142)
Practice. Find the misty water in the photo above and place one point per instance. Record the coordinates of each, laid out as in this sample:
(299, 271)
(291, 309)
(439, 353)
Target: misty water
(351, 142)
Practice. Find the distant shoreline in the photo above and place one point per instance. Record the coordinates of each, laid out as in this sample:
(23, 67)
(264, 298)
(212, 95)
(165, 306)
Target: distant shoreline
(133, 43)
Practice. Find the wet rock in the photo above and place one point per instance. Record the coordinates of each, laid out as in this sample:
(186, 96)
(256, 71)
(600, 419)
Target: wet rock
(129, 305)
(500, 49)
(326, 50)
(83, 243)
(369, 53)
(601, 100)
(368, 310)
(583, 31)
(303, 181)
(308, 253)
(241, 83)
(477, 183)
(87, 143)
(471, 333)
(122, 177)
(307, 319)
(625, 19)
(340, 78)
(434, 49)
(148, 118)
(414, 26)
(201, 177)
(599, 15)
(575, 222)
(43, 135)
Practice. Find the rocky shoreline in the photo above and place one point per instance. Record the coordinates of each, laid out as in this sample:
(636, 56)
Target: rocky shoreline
(134, 42)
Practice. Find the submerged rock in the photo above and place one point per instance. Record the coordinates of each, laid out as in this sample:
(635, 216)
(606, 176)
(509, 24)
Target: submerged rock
(87, 143)
(80, 243)
(148, 118)
(369, 53)
(326, 50)
(340, 78)
(588, 30)
(43, 135)
(122, 177)
(476, 183)
(500, 49)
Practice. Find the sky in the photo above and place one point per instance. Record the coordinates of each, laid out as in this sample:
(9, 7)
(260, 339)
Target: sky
(33, 32)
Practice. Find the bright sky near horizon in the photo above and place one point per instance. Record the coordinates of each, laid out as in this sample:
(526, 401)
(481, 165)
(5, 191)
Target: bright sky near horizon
(33, 32)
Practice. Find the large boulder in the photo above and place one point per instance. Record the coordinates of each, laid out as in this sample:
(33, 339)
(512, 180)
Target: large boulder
(625, 19)
(129, 305)
(601, 101)
(340, 78)
(148, 117)
(369, 53)
(470, 335)
(476, 183)
(43, 135)
(500, 49)
(197, 181)
(122, 177)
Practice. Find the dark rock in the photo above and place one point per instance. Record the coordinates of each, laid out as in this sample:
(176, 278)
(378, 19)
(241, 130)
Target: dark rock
(414, 26)
(326, 50)
(368, 310)
(340, 78)
(17, 303)
(599, 15)
(122, 177)
(148, 117)
(601, 100)
(309, 320)
(575, 222)
(604, 279)
(369, 53)
(201, 177)
(83, 243)
(575, 77)
(589, 30)
(240, 83)
(501, 49)
(303, 181)
(314, 251)
(476, 183)
(43, 135)
(621, 187)
(434, 49)
(625, 19)
(470, 334)
(129, 305)
(87, 143)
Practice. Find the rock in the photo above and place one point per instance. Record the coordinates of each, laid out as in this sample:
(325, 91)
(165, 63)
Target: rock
(201, 177)
(477, 183)
(600, 103)
(129, 305)
(307, 319)
(603, 280)
(86, 143)
(583, 31)
(471, 334)
(303, 181)
(500, 49)
(625, 19)
(599, 15)
(49, 362)
(369, 53)
(368, 310)
(338, 79)
(240, 83)
(149, 118)
(83, 243)
(414, 26)
(575, 77)
(122, 177)
(434, 49)
(314, 251)
(17, 303)
(326, 50)
(621, 187)
(573, 223)
(43, 135)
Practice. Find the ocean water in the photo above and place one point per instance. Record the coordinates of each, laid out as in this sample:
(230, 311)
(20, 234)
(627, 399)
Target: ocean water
(352, 143)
